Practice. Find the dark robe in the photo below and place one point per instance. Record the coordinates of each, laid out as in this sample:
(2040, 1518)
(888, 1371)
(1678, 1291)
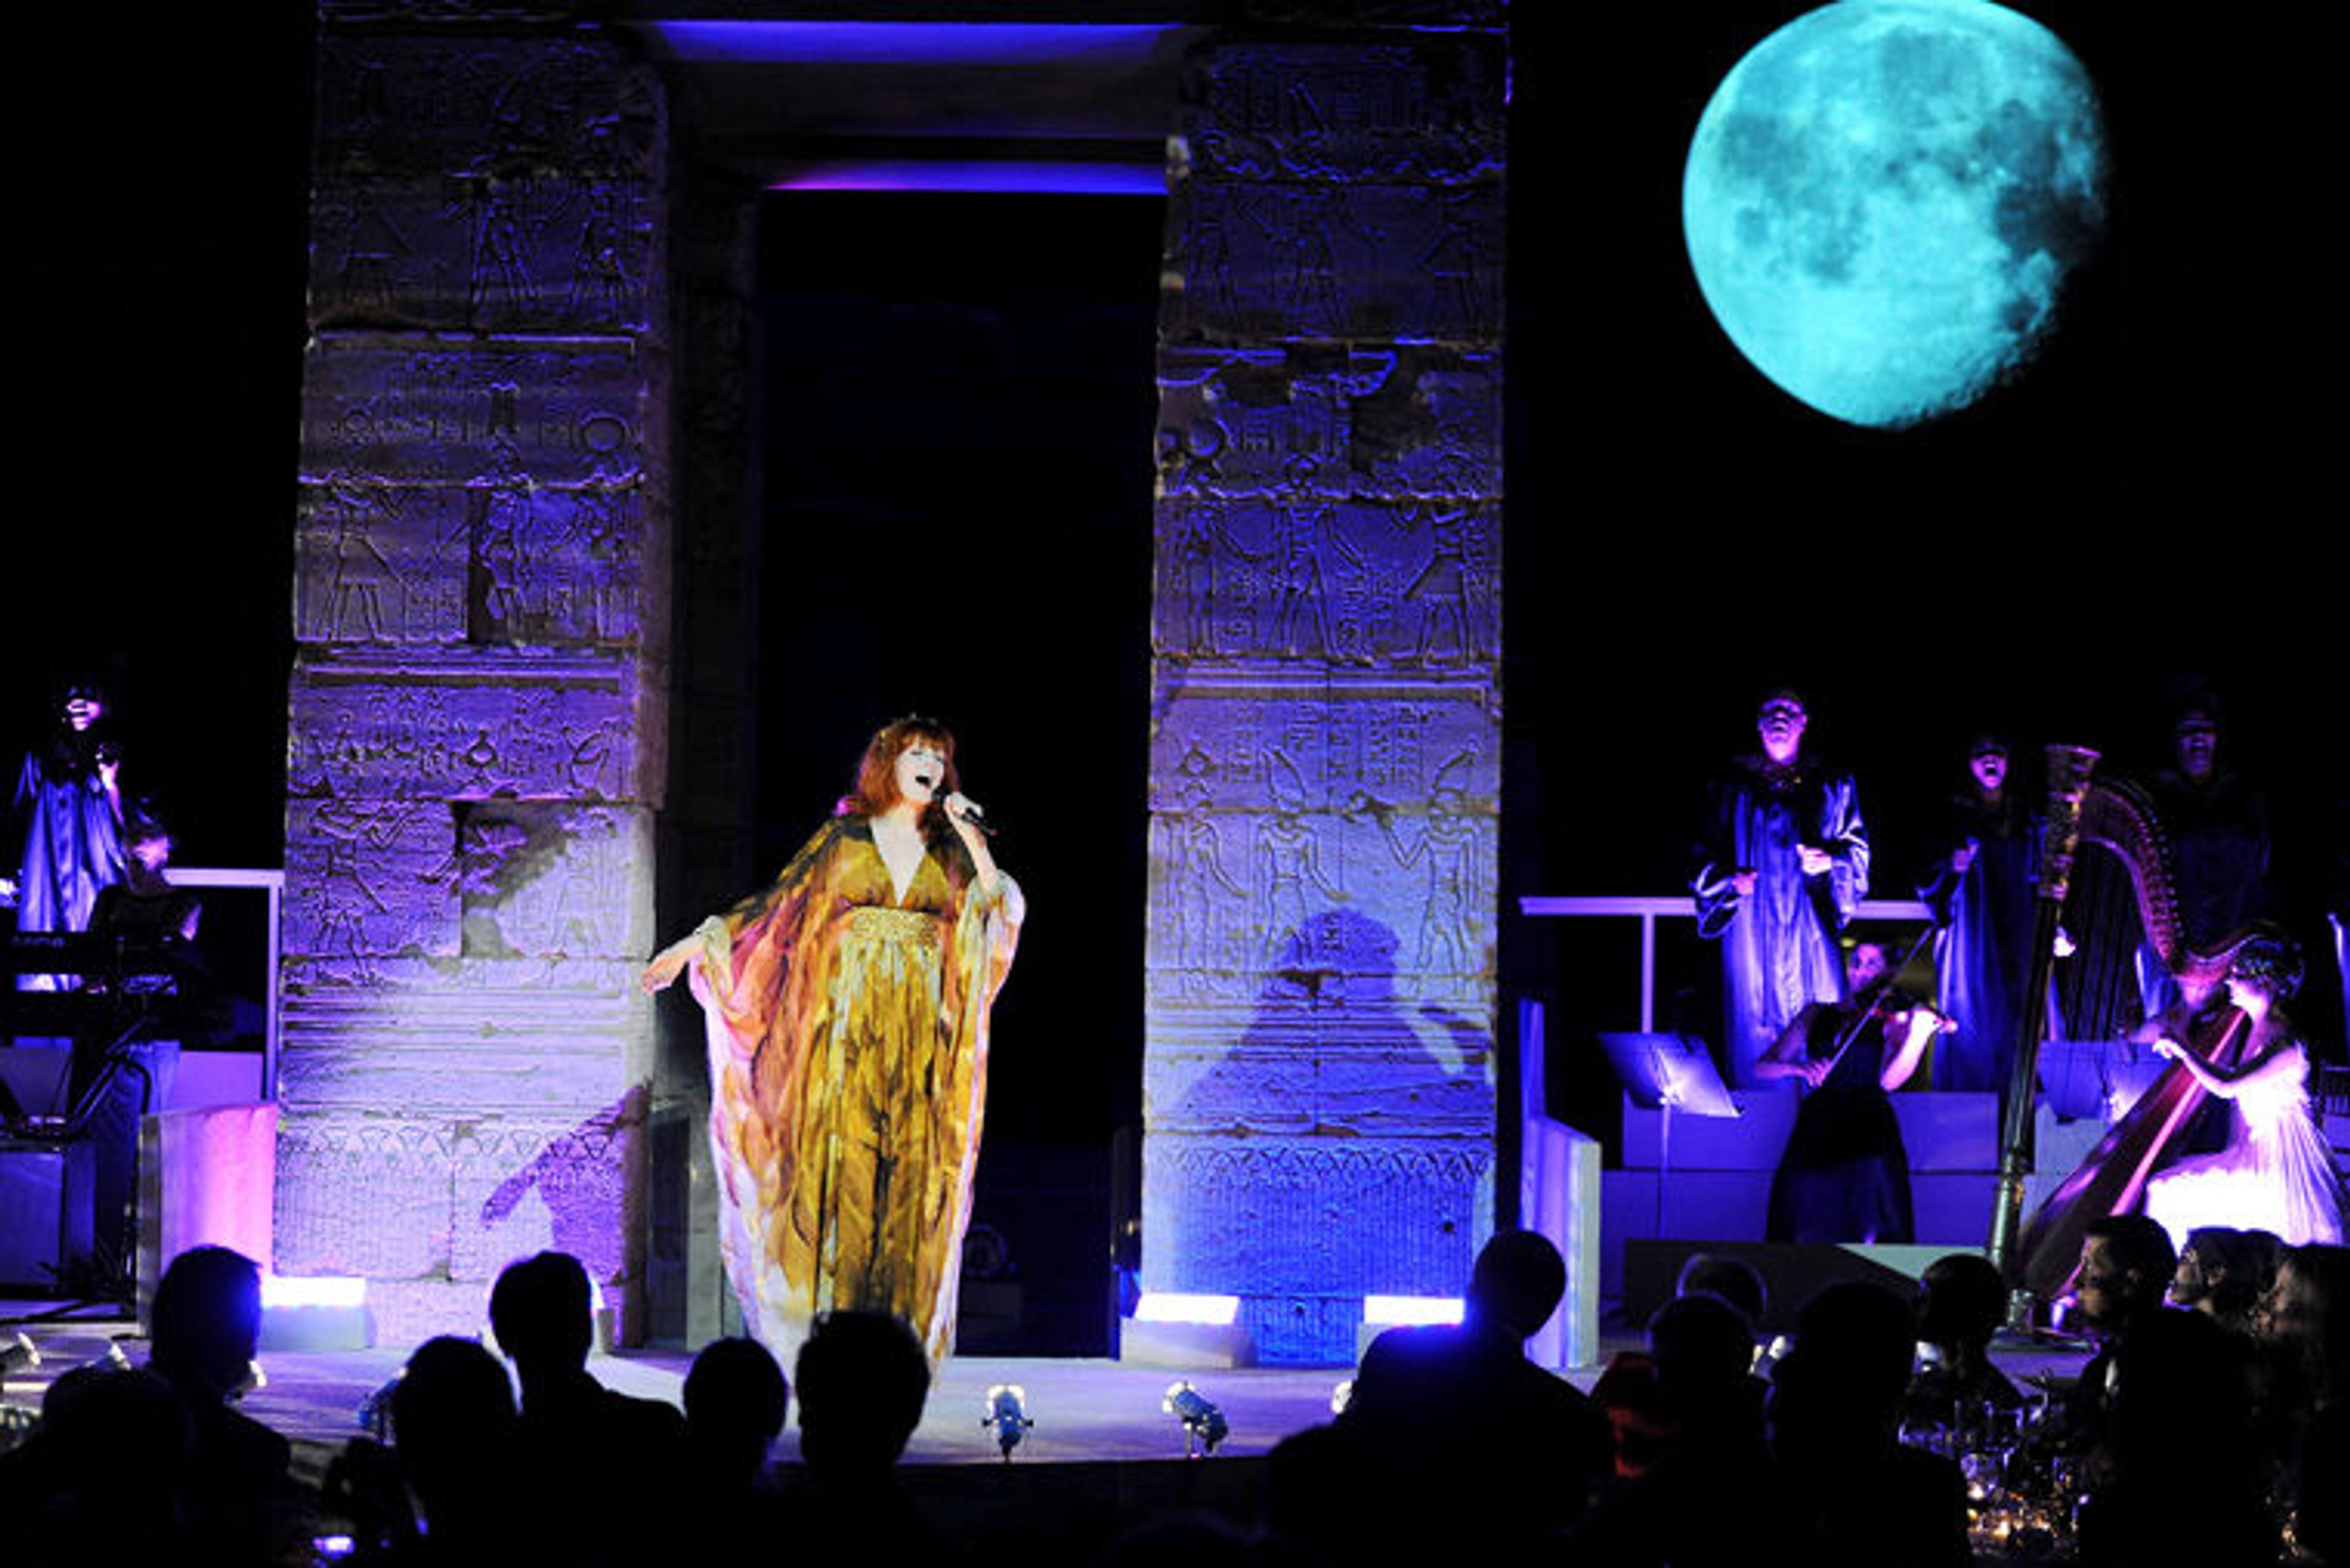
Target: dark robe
(71, 835)
(2218, 834)
(1982, 947)
(1778, 944)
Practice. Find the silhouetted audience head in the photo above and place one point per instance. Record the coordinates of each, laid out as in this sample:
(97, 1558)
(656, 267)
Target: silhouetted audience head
(1516, 1283)
(2126, 1266)
(862, 1380)
(1841, 1384)
(453, 1419)
(1704, 1351)
(541, 1309)
(100, 1480)
(735, 1400)
(1314, 1492)
(114, 1429)
(1734, 1280)
(1961, 1301)
(206, 1322)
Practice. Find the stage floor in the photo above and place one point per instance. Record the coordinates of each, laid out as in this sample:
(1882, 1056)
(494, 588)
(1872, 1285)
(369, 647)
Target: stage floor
(1085, 1411)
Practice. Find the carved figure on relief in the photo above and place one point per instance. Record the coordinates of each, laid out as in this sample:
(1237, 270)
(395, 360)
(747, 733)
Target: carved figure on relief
(1289, 872)
(1201, 894)
(1451, 841)
(1300, 234)
(1454, 263)
(350, 839)
(599, 265)
(500, 566)
(488, 204)
(1204, 256)
(1445, 590)
(1195, 538)
(1299, 546)
(1288, 863)
(359, 576)
(604, 518)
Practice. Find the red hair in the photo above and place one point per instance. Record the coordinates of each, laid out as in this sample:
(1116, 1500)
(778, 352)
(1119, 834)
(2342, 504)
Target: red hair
(877, 775)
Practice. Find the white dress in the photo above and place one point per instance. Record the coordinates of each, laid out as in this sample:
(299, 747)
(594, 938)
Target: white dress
(2276, 1173)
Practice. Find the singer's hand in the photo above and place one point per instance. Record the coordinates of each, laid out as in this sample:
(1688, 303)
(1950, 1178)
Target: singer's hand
(965, 814)
(1815, 861)
(666, 965)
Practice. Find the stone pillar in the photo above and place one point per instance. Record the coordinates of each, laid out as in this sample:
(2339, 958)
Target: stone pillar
(476, 743)
(1326, 727)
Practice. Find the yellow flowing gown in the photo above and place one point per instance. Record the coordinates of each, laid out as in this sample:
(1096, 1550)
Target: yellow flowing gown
(847, 1032)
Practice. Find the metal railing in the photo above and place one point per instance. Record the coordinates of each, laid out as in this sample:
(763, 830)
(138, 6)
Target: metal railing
(1649, 910)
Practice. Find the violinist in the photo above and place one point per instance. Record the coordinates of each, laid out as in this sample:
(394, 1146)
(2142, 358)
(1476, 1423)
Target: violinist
(1845, 1175)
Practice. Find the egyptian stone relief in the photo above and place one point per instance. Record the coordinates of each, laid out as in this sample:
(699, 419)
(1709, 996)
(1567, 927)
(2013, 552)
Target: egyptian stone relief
(1351, 583)
(1419, 421)
(1417, 111)
(462, 729)
(452, 1200)
(474, 745)
(1319, 1090)
(509, 183)
(1347, 262)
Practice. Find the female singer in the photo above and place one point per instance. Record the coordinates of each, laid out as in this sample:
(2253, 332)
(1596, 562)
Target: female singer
(2276, 1173)
(846, 1009)
(68, 817)
(1981, 894)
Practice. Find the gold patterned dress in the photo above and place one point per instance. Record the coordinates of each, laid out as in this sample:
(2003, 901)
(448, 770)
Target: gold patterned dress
(847, 1031)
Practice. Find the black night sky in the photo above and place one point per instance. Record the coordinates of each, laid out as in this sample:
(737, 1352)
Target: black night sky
(2155, 499)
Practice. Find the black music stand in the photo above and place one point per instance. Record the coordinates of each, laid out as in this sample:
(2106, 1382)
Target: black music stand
(1668, 1073)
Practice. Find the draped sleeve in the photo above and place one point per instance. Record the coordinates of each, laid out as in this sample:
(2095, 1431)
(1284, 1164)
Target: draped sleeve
(755, 973)
(1845, 837)
(1716, 854)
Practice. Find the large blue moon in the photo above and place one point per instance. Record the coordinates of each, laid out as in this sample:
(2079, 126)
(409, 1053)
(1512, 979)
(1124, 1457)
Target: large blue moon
(1884, 199)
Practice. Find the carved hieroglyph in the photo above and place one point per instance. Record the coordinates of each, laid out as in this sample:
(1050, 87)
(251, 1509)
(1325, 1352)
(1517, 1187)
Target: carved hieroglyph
(1326, 730)
(475, 732)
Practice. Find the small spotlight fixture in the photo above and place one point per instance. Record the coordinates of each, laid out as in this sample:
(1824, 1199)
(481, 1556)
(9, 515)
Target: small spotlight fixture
(18, 1355)
(1007, 1417)
(1341, 1393)
(1203, 1425)
(110, 1359)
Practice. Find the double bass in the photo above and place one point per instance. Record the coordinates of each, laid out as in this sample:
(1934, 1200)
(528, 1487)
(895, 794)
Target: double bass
(2117, 816)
